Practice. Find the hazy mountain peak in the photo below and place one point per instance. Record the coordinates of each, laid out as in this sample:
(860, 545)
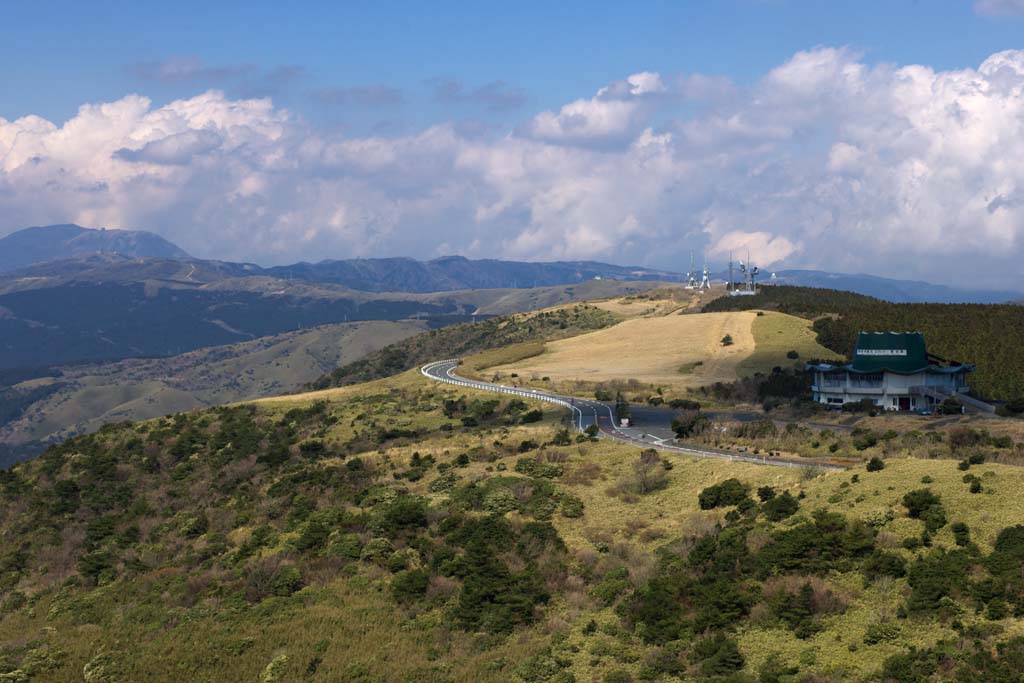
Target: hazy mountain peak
(52, 242)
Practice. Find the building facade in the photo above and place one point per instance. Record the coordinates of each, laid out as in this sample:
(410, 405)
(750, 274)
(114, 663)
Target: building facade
(894, 371)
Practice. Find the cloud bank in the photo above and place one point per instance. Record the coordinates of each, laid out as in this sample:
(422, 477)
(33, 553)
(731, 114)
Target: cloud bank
(826, 162)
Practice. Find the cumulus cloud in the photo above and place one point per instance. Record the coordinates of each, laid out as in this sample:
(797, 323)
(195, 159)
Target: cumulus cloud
(612, 116)
(826, 162)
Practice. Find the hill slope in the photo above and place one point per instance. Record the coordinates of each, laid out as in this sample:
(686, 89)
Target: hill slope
(48, 243)
(82, 398)
(410, 531)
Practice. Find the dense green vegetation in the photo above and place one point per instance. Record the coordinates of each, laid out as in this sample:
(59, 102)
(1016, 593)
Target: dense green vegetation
(987, 335)
(466, 338)
(705, 591)
(225, 511)
(412, 532)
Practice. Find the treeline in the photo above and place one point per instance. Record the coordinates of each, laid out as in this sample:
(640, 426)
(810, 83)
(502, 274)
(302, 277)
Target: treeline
(466, 338)
(986, 335)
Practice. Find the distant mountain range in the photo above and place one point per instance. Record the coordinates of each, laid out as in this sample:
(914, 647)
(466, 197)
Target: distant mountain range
(69, 253)
(897, 291)
(452, 273)
(52, 242)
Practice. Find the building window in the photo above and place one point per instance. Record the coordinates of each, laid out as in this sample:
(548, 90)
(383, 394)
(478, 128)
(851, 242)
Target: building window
(833, 379)
(866, 380)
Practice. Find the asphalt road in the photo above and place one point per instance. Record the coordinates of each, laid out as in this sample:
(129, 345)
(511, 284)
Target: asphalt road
(651, 429)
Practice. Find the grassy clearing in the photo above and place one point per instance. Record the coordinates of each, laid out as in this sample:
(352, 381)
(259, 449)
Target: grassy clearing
(648, 350)
(775, 335)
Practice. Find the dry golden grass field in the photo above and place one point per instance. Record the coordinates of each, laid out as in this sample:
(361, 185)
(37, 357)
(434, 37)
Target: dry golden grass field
(677, 351)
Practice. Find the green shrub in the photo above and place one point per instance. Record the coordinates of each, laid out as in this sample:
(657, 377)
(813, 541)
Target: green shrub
(950, 406)
(530, 416)
(728, 492)
(935, 577)
(916, 666)
(882, 632)
(684, 404)
(614, 584)
(312, 536)
(924, 505)
(780, 507)
(286, 581)
(571, 506)
(690, 423)
(410, 585)
(876, 464)
(880, 563)
(717, 655)
(961, 533)
(865, 441)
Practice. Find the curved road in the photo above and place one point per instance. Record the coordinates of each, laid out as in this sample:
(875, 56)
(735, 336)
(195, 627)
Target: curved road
(586, 412)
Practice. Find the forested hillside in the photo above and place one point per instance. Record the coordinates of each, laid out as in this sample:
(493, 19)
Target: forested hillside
(409, 532)
(987, 335)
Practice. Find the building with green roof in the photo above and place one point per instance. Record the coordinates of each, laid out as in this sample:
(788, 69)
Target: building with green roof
(892, 369)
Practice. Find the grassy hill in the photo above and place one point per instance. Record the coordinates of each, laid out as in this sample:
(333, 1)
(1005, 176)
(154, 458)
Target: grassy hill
(403, 530)
(663, 343)
(467, 338)
(82, 398)
(647, 349)
(987, 335)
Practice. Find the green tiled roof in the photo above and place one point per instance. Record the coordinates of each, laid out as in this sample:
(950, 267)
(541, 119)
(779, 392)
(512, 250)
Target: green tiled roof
(900, 352)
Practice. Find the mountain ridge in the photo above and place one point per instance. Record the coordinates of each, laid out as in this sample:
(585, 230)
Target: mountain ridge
(101, 255)
(39, 244)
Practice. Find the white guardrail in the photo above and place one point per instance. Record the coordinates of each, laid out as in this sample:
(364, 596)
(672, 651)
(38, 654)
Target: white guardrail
(447, 375)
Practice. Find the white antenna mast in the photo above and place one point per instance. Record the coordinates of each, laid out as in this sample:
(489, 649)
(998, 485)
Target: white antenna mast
(705, 280)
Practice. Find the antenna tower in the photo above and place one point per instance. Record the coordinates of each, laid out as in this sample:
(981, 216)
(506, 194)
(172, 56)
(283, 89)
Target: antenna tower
(705, 280)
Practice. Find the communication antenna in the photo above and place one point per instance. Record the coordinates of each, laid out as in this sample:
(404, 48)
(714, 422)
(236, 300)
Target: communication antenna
(749, 274)
(705, 280)
(729, 285)
(691, 279)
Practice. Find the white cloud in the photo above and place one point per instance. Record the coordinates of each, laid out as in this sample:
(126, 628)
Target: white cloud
(828, 161)
(611, 116)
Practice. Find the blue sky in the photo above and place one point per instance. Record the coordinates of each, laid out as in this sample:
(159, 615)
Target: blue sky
(73, 52)
(880, 137)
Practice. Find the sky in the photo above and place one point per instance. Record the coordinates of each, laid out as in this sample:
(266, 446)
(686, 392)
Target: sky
(879, 137)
